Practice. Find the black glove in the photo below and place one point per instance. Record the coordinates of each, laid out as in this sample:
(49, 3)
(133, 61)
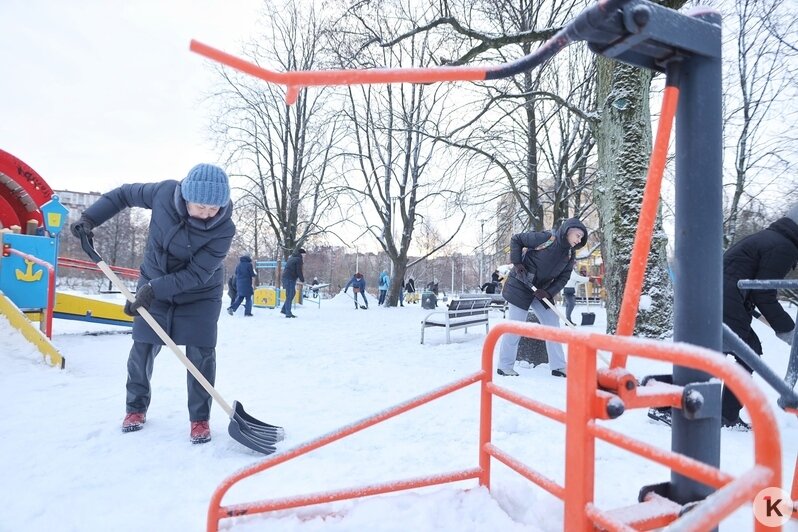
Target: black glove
(542, 294)
(144, 297)
(519, 269)
(345, 289)
(85, 224)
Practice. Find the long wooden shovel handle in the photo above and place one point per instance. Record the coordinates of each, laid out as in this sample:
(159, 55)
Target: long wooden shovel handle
(567, 321)
(559, 313)
(144, 313)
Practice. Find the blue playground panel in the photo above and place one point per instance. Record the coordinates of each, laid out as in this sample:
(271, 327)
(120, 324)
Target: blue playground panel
(26, 284)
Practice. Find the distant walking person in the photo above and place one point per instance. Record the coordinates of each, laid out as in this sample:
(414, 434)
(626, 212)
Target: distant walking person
(385, 282)
(292, 273)
(358, 284)
(768, 254)
(410, 288)
(489, 287)
(181, 282)
(244, 275)
(313, 287)
(569, 292)
(539, 273)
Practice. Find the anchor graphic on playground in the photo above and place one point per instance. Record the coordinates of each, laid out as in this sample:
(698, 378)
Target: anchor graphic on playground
(29, 276)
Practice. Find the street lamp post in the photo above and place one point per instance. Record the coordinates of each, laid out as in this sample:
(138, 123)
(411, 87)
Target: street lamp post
(481, 249)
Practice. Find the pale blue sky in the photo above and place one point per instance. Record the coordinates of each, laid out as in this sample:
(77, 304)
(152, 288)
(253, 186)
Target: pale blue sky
(96, 93)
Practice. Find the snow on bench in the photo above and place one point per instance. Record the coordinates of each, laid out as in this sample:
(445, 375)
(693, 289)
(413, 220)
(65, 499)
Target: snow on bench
(461, 314)
(497, 301)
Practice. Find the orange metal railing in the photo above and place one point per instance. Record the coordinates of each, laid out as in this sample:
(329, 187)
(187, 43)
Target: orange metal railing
(585, 403)
(68, 262)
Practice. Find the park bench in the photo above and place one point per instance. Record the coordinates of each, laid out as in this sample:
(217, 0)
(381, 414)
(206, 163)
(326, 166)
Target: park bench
(497, 301)
(460, 314)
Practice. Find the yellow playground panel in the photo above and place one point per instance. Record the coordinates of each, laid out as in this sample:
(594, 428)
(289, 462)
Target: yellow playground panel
(72, 307)
(270, 296)
(19, 321)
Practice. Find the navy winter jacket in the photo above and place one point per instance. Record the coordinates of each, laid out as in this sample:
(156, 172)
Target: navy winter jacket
(293, 268)
(548, 268)
(182, 261)
(354, 282)
(768, 254)
(244, 275)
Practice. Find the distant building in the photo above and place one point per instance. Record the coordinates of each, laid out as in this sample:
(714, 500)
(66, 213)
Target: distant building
(76, 202)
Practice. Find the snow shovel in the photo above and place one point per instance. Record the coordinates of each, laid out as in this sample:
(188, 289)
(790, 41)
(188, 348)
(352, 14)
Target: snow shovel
(562, 317)
(363, 307)
(243, 428)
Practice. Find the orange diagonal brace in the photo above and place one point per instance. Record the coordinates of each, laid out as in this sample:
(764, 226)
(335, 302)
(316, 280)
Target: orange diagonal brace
(645, 224)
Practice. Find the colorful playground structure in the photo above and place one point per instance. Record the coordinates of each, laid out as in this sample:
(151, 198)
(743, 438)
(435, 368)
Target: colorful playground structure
(32, 219)
(699, 495)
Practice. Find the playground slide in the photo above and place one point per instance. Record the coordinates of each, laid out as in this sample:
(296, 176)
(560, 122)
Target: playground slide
(72, 307)
(20, 322)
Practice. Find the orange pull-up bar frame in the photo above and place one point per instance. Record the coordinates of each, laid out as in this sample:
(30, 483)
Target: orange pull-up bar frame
(585, 404)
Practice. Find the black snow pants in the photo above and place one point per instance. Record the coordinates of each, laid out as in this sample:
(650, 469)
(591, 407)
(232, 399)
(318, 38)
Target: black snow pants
(139, 372)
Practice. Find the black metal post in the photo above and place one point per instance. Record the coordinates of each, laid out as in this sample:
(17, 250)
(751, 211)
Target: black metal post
(698, 251)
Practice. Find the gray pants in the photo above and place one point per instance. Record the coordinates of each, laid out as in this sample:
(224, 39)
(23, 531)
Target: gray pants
(139, 372)
(509, 348)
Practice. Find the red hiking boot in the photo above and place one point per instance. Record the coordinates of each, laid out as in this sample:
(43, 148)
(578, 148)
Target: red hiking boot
(134, 421)
(200, 432)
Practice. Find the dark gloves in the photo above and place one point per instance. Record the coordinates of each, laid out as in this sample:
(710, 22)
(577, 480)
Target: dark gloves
(519, 268)
(542, 294)
(144, 297)
(85, 224)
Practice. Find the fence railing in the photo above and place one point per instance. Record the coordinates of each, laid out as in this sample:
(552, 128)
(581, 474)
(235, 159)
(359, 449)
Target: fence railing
(591, 395)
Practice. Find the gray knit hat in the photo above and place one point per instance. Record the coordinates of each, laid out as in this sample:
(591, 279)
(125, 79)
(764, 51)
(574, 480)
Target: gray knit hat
(792, 213)
(206, 184)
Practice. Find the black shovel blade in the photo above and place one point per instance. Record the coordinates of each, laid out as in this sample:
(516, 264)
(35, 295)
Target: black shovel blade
(252, 433)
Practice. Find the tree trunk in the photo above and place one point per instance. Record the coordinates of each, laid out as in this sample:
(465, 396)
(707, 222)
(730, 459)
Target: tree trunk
(624, 149)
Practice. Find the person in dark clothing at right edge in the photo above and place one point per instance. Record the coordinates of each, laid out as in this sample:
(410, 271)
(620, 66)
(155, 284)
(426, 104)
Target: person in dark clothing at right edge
(292, 272)
(768, 254)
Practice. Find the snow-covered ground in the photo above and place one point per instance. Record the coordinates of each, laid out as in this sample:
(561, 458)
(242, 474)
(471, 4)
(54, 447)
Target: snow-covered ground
(66, 466)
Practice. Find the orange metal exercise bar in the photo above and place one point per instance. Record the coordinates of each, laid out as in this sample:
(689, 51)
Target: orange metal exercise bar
(216, 511)
(581, 432)
(581, 429)
(296, 80)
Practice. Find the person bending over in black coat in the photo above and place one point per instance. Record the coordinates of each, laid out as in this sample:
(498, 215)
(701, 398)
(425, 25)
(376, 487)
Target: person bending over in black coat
(768, 254)
(539, 273)
(181, 282)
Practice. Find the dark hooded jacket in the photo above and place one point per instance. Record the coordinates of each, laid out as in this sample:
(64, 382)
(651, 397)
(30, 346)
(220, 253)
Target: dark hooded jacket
(547, 268)
(768, 254)
(293, 267)
(182, 260)
(244, 275)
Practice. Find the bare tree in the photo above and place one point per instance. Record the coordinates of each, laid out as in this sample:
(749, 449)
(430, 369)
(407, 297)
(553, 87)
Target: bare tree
(394, 178)
(282, 153)
(756, 100)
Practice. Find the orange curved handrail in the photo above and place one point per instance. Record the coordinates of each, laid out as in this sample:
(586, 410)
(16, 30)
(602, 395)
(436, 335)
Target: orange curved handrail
(579, 419)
